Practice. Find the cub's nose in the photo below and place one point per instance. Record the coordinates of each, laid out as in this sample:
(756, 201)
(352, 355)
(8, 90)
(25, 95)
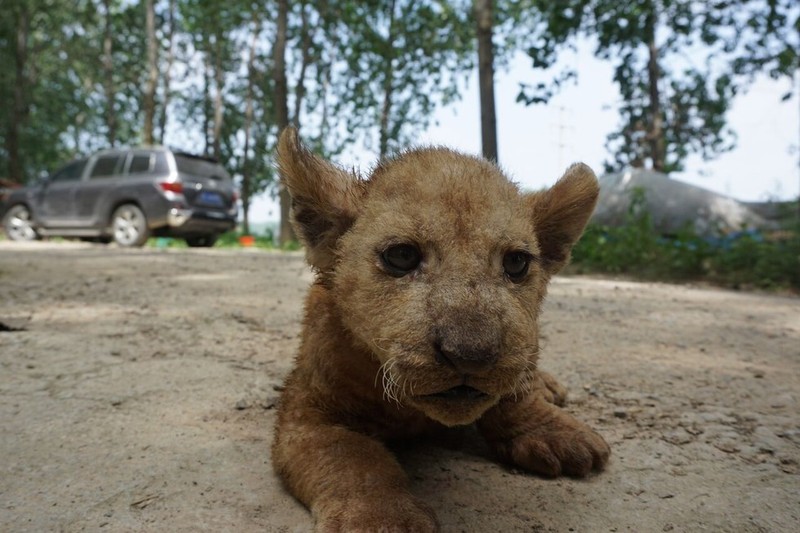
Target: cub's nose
(466, 359)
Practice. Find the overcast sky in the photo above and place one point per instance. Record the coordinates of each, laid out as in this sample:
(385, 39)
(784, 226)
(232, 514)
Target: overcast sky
(536, 143)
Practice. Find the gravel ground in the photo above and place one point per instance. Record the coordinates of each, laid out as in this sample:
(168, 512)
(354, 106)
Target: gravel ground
(138, 392)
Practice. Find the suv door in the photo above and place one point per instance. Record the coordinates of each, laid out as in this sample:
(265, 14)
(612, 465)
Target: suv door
(56, 197)
(103, 178)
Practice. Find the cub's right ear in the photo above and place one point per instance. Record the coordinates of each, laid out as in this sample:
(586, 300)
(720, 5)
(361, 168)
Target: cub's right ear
(325, 198)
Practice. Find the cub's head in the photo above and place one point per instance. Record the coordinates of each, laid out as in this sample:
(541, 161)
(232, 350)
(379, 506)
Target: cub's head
(439, 265)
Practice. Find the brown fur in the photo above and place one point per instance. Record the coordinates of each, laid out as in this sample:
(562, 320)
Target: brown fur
(376, 346)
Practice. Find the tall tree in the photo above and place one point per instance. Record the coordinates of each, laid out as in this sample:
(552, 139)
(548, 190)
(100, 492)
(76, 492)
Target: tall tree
(675, 103)
(404, 58)
(45, 50)
(281, 96)
(19, 106)
(167, 75)
(212, 26)
(248, 121)
(218, 43)
(388, 80)
(484, 22)
(152, 72)
(108, 74)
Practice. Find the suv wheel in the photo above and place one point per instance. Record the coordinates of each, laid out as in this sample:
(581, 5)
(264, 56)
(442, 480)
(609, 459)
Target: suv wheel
(129, 226)
(201, 241)
(18, 224)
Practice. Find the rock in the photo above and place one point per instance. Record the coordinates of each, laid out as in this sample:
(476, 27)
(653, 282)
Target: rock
(677, 437)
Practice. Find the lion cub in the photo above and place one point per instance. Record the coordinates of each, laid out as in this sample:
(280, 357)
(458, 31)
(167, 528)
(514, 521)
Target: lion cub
(430, 275)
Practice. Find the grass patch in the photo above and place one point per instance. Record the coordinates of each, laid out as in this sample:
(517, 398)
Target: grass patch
(231, 239)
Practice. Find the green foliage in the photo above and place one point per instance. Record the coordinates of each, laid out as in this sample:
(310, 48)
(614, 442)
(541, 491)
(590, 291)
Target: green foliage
(403, 58)
(636, 250)
(292, 246)
(755, 262)
(678, 65)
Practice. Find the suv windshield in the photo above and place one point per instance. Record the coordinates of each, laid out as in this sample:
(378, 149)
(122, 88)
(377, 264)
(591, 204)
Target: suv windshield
(197, 166)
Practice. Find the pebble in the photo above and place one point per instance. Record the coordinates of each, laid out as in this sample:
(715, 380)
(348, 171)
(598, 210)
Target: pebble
(766, 440)
(726, 446)
(677, 437)
(784, 400)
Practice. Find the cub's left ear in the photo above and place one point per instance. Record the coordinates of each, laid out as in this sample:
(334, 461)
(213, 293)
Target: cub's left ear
(561, 212)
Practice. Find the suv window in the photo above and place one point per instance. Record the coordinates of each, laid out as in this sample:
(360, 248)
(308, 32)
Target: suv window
(72, 172)
(198, 166)
(106, 165)
(140, 163)
(161, 166)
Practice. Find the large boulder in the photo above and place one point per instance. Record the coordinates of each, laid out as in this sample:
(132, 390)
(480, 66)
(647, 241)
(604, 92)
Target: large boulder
(672, 204)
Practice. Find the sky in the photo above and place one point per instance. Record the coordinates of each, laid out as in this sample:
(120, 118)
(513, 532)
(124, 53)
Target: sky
(537, 143)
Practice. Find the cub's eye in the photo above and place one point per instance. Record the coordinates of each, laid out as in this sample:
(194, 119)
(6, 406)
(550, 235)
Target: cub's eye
(516, 265)
(401, 259)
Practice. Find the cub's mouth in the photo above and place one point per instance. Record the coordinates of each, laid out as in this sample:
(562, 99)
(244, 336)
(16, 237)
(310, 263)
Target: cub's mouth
(459, 393)
(455, 406)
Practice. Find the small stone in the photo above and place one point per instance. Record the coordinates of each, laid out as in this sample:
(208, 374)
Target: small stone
(677, 437)
(269, 404)
(782, 401)
(620, 413)
(726, 446)
(766, 440)
(242, 405)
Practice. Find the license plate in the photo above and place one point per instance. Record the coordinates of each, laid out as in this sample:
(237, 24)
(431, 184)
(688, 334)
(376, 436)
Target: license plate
(211, 199)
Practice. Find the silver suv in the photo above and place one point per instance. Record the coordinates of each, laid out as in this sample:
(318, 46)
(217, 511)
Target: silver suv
(127, 195)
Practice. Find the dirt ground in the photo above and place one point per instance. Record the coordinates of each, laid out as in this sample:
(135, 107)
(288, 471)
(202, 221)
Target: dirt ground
(139, 395)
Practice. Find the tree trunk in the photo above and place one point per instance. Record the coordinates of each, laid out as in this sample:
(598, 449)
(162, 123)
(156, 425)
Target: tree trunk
(207, 97)
(388, 85)
(655, 136)
(152, 72)
(483, 17)
(162, 122)
(325, 67)
(281, 93)
(108, 74)
(300, 89)
(248, 121)
(219, 81)
(19, 110)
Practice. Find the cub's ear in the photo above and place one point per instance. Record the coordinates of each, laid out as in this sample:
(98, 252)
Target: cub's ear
(325, 198)
(561, 212)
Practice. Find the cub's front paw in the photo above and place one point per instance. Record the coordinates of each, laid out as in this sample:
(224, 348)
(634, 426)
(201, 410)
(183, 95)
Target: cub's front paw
(384, 513)
(550, 389)
(570, 448)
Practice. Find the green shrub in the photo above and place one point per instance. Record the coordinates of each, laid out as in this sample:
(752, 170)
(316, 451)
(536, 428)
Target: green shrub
(635, 249)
